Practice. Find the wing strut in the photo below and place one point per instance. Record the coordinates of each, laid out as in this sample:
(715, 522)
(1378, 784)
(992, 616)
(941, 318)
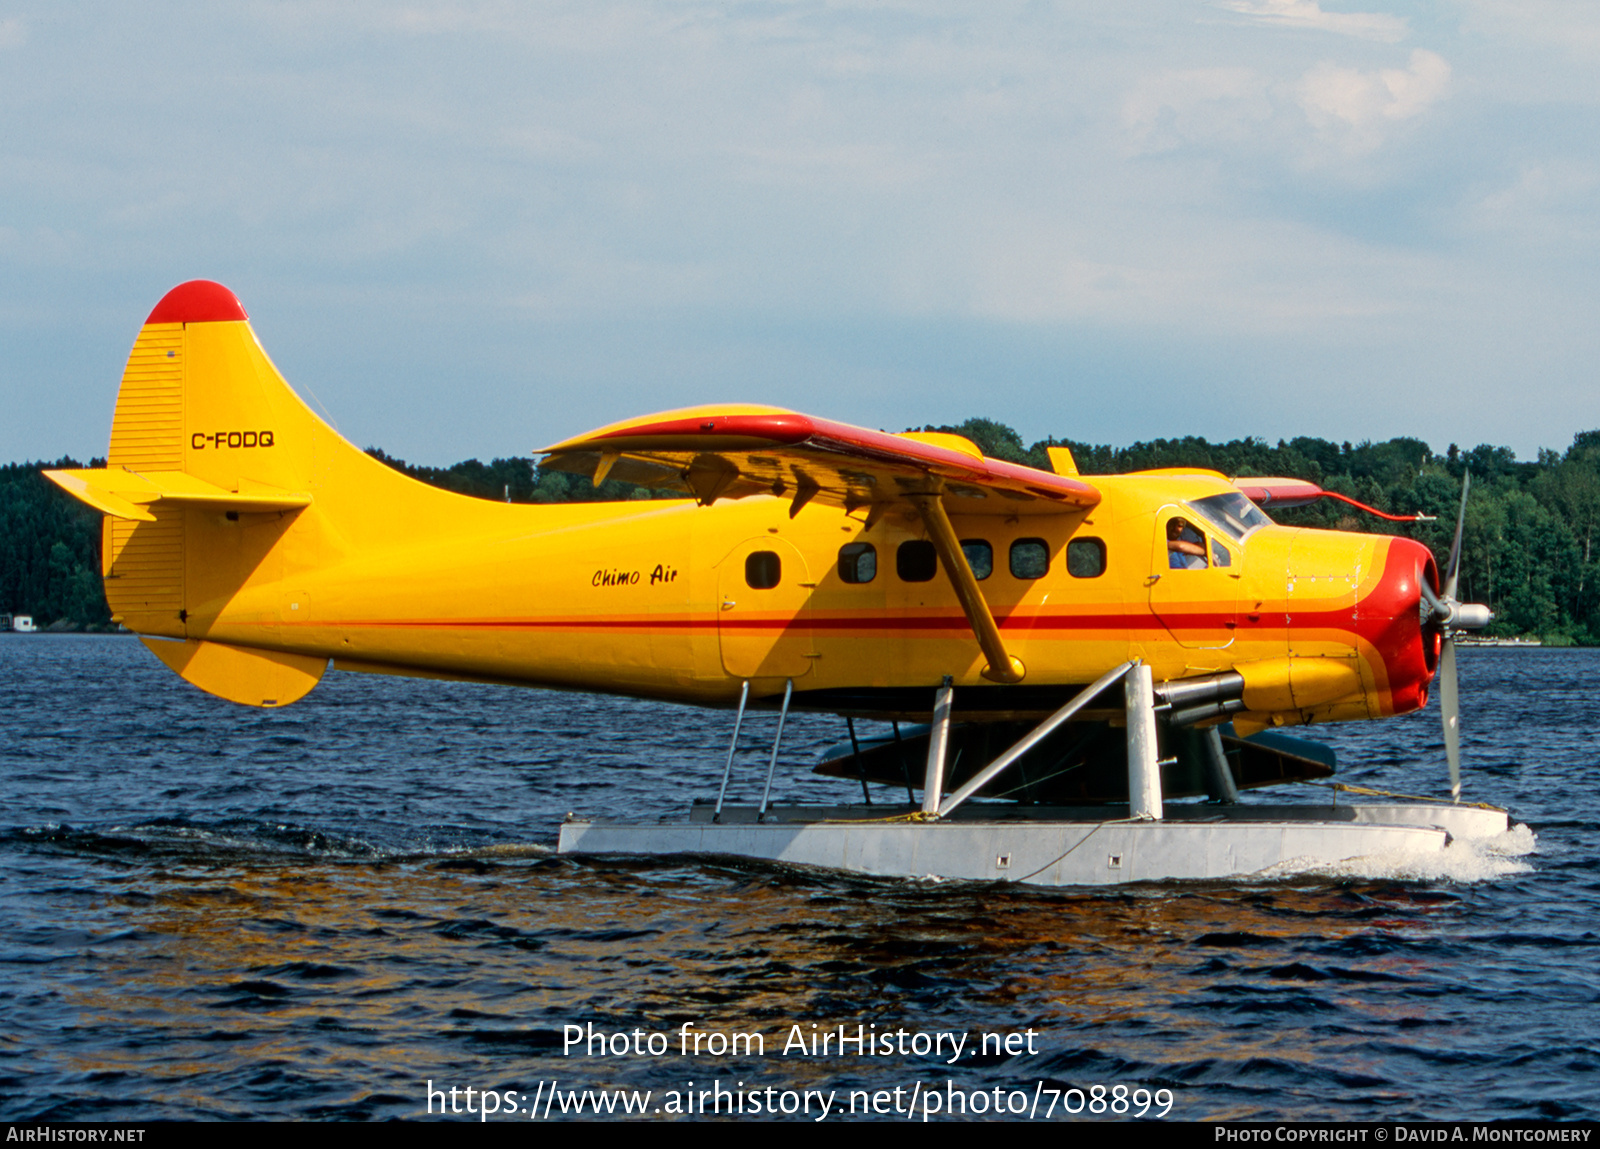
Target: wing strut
(1002, 666)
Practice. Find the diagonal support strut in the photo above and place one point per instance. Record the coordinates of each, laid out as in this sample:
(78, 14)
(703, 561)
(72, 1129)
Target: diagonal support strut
(1002, 666)
(1033, 738)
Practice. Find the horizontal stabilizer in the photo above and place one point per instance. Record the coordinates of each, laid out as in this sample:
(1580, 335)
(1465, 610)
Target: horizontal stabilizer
(126, 494)
(241, 674)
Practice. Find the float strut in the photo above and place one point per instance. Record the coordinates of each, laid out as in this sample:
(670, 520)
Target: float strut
(744, 696)
(905, 771)
(983, 777)
(1219, 779)
(938, 748)
(788, 689)
(1144, 759)
(855, 750)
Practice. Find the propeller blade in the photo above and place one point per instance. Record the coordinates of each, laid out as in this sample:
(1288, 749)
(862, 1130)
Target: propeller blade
(1436, 608)
(1453, 571)
(1450, 712)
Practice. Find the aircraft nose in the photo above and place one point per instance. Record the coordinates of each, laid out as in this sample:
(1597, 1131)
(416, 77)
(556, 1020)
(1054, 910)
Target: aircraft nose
(1392, 617)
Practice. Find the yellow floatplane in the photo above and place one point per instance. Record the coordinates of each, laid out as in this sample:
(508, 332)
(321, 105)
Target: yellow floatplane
(1093, 646)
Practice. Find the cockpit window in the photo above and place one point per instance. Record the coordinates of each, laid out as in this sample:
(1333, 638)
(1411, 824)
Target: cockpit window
(1186, 546)
(1231, 513)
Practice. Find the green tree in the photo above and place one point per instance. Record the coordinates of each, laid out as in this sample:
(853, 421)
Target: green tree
(49, 549)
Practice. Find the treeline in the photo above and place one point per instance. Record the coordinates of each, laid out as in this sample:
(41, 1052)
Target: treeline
(49, 550)
(1528, 550)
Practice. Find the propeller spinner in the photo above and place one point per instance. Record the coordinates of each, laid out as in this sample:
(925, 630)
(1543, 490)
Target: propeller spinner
(1450, 615)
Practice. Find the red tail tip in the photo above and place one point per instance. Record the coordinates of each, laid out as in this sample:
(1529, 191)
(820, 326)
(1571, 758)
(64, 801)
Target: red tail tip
(198, 301)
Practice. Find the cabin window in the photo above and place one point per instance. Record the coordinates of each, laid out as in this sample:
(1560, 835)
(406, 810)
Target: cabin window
(980, 557)
(763, 569)
(858, 562)
(1086, 558)
(916, 561)
(1030, 558)
(1219, 555)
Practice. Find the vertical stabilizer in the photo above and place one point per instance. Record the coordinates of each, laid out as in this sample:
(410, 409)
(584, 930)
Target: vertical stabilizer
(226, 497)
(201, 414)
(143, 562)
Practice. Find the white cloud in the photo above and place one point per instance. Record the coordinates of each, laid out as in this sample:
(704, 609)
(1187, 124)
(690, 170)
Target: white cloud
(1558, 29)
(1357, 107)
(1327, 113)
(1196, 106)
(1198, 176)
(1309, 14)
(1262, 278)
(1550, 204)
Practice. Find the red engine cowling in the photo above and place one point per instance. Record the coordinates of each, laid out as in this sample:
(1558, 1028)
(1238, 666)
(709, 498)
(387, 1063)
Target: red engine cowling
(1391, 618)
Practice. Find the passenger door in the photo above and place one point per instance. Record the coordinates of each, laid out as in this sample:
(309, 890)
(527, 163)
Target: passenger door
(764, 610)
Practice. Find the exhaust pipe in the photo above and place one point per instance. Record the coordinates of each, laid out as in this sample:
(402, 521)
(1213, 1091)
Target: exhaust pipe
(1191, 700)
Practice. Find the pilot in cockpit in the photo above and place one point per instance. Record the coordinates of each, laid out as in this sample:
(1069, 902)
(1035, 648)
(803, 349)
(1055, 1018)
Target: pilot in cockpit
(1186, 546)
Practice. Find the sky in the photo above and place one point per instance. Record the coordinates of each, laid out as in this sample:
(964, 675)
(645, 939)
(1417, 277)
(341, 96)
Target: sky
(473, 229)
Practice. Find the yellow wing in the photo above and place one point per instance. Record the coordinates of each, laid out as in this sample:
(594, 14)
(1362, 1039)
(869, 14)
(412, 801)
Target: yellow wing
(731, 452)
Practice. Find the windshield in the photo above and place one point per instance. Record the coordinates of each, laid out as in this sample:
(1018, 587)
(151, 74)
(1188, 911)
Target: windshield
(1232, 513)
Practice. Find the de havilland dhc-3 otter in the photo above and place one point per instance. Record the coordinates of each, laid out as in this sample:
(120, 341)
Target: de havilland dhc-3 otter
(1090, 647)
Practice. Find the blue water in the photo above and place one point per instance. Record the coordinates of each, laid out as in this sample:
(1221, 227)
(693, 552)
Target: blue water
(208, 911)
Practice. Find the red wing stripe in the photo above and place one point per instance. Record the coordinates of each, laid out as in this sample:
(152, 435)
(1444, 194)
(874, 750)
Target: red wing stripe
(793, 429)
